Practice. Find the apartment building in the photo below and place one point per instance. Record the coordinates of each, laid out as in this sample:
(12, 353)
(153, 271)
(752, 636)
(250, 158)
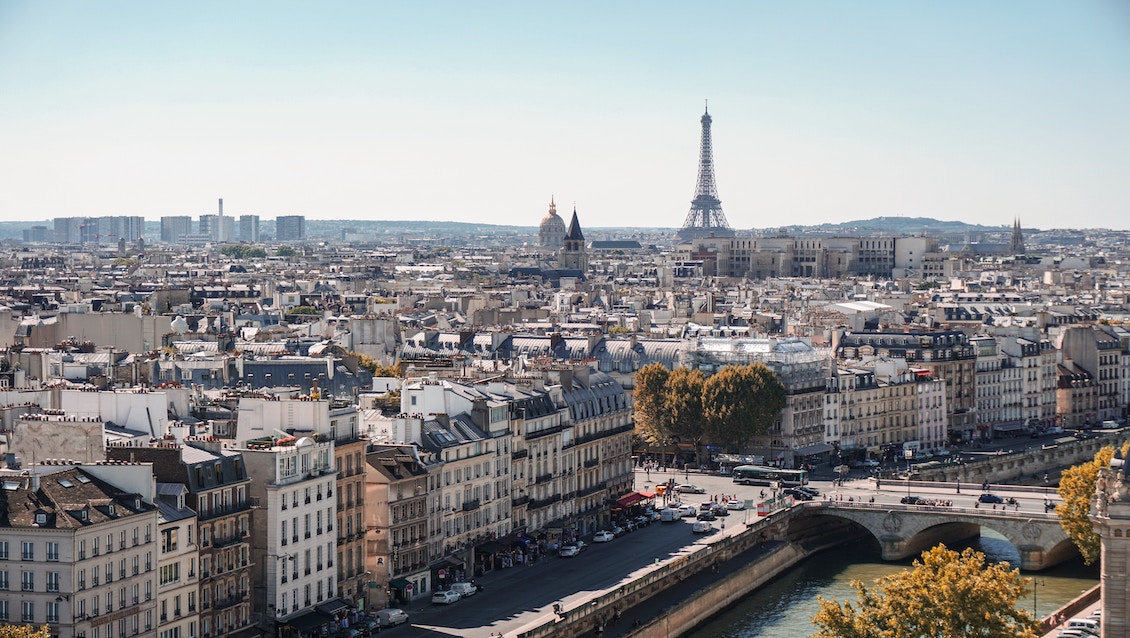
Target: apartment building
(218, 489)
(77, 550)
(293, 541)
(397, 524)
(178, 573)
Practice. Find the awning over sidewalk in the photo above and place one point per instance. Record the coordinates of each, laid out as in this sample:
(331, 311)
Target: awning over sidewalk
(815, 449)
(332, 607)
(629, 500)
(309, 621)
(400, 583)
(491, 547)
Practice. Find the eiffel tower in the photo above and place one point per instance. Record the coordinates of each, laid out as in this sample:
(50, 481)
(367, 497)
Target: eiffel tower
(705, 217)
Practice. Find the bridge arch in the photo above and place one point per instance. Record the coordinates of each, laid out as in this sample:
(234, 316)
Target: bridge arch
(905, 531)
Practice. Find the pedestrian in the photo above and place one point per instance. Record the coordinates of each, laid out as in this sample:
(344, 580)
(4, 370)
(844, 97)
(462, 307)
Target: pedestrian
(959, 488)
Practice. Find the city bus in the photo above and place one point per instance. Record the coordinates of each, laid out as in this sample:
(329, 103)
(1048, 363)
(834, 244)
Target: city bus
(759, 475)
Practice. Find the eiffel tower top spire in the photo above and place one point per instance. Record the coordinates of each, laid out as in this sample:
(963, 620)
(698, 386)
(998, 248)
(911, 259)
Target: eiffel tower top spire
(705, 217)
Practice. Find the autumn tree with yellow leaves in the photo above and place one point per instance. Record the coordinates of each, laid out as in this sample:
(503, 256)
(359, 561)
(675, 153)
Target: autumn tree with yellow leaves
(944, 595)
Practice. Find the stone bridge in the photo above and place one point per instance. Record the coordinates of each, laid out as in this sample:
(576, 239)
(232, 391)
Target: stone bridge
(908, 530)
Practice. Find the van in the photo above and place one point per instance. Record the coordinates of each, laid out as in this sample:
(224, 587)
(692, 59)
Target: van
(668, 515)
(1089, 625)
(464, 589)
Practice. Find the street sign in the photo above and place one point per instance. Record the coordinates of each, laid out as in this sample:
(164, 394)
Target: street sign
(442, 573)
(408, 587)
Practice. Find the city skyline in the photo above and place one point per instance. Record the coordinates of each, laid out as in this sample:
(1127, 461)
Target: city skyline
(823, 113)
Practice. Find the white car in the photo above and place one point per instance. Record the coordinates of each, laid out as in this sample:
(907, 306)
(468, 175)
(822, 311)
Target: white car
(702, 527)
(687, 488)
(568, 551)
(735, 505)
(603, 537)
(445, 597)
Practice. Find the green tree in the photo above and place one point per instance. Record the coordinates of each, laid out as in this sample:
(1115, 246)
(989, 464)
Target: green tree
(243, 251)
(682, 403)
(24, 631)
(303, 310)
(649, 399)
(1077, 489)
(285, 251)
(944, 595)
(741, 402)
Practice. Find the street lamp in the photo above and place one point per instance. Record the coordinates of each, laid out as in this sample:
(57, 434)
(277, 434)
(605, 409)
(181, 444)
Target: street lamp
(1035, 583)
(909, 454)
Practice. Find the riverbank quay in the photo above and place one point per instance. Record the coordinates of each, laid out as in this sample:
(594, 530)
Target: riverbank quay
(651, 594)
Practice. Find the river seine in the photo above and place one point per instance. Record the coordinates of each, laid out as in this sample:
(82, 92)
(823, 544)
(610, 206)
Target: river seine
(785, 607)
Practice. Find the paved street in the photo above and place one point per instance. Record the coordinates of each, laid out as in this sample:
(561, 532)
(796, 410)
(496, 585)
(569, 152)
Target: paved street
(515, 597)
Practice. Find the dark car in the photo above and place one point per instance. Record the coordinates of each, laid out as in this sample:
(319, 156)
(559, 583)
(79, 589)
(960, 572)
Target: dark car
(811, 491)
(910, 500)
(990, 498)
(706, 515)
(798, 494)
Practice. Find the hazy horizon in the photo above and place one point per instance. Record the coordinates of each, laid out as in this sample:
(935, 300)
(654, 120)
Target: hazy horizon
(823, 112)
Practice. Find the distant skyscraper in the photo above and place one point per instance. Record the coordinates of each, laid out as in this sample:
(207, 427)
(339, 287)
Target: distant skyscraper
(290, 228)
(209, 225)
(249, 228)
(1016, 246)
(174, 228)
(705, 217)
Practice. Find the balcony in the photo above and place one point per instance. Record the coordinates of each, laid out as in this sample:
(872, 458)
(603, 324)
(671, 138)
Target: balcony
(226, 541)
(545, 502)
(519, 500)
(472, 505)
(234, 508)
(591, 463)
(544, 478)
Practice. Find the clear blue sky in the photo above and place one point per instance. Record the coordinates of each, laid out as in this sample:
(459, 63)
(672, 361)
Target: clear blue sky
(481, 111)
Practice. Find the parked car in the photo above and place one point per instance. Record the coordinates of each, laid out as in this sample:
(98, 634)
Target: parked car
(706, 515)
(390, 617)
(719, 510)
(689, 510)
(687, 488)
(618, 531)
(871, 463)
(464, 589)
(702, 527)
(652, 514)
(668, 515)
(990, 498)
(910, 500)
(580, 545)
(445, 597)
(642, 521)
(368, 626)
(568, 551)
(810, 490)
(603, 536)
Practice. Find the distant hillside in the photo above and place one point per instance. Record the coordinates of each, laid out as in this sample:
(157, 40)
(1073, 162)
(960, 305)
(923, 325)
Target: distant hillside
(894, 226)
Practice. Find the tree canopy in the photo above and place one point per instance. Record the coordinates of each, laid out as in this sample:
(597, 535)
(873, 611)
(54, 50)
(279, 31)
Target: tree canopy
(944, 595)
(24, 631)
(243, 251)
(741, 402)
(683, 403)
(366, 362)
(1077, 489)
(648, 400)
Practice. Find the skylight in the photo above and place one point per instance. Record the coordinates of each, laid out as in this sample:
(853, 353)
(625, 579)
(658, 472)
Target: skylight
(66, 483)
(82, 479)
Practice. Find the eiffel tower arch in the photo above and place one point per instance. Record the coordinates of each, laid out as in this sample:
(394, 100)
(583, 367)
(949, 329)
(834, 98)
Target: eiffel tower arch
(705, 217)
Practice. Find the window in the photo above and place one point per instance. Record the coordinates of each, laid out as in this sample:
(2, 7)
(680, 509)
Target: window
(169, 540)
(52, 552)
(28, 550)
(3, 580)
(52, 611)
(94, 547)
(28, 614)
(4, 610)
(3, 550)
(27, 581)
(53, 581)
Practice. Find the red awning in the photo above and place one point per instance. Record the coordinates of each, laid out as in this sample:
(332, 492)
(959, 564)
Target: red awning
(647, 494)
(629, 500)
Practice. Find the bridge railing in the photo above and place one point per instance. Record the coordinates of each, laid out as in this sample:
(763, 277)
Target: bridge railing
(933, 509)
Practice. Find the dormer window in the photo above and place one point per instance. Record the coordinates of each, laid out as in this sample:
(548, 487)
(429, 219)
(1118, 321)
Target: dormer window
(112, 509)
(40, 518)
